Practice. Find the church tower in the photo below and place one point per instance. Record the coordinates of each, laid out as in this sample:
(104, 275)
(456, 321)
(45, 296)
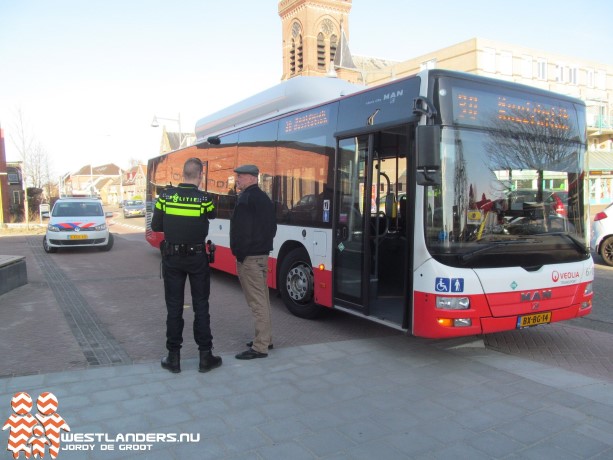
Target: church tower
(313, 31)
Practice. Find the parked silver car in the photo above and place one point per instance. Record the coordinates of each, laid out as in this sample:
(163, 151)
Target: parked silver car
(133, 208)
(602, 235)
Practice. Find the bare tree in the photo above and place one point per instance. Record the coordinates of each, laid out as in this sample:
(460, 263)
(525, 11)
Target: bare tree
(533, 141)
(38, 166)
(35, 161)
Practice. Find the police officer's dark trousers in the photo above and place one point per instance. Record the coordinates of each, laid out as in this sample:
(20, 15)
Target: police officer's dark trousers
(176, 269)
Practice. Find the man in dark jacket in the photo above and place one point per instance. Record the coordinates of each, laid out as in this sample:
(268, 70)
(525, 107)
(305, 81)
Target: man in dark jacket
(183, 214)
(252, 229)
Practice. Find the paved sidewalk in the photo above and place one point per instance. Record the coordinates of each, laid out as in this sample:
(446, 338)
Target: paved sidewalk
(388, 398)
(92, 334)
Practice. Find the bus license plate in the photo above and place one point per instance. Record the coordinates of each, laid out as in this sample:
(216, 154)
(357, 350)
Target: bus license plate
(533, 320)
(77, 237)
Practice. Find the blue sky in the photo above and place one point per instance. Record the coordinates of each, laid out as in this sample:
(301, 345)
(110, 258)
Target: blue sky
(88, 76)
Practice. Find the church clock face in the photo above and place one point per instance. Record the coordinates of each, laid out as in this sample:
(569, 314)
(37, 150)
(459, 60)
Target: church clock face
(327, 27)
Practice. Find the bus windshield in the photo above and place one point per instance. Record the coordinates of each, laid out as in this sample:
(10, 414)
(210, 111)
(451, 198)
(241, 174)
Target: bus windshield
(506, 199)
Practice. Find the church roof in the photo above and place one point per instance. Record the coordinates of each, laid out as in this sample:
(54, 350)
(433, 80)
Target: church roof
(372, 64)
(342, 57)
(104, 170)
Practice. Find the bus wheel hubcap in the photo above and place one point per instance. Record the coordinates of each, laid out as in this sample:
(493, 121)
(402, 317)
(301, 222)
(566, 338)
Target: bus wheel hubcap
(298, 283)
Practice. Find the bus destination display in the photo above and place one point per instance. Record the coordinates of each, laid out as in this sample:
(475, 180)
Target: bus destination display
(489, 109)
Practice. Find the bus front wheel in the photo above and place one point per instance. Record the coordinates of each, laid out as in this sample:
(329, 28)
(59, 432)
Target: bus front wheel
(296, 285)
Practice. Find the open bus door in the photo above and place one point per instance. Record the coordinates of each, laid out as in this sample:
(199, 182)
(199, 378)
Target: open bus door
(372, 244)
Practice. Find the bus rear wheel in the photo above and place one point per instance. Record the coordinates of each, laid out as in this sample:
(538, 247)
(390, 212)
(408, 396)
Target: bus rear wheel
(296, 285)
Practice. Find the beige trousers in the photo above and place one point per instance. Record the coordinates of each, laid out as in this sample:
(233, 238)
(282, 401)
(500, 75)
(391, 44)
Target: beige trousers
(252, 273)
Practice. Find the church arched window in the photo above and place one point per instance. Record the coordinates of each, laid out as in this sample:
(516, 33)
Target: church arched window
(333, 46)
(321, 52)
(296, 63)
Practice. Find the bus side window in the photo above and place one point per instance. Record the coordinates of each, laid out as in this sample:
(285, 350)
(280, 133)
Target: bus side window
(225, 205)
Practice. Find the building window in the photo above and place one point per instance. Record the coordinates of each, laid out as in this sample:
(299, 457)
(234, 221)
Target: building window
(601, 79)
(572, 75)
(13, 177)
(292, 57)
(333, 46)
(295, 56)
(541, 68)
(299, 55)
(560, 71)
(327, 43)
(589, 78)
(506, 63)
(489, 60)
(321, 52)
(295, 53)
(16, 197)
(526, 66)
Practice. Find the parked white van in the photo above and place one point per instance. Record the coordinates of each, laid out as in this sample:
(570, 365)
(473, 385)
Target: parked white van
(78, 222)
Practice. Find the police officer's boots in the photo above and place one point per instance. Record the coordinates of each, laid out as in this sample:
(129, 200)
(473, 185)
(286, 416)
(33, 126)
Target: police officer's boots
(172, 362)
(208, 361)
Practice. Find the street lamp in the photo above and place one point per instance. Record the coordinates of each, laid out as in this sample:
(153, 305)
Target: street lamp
(155, 124)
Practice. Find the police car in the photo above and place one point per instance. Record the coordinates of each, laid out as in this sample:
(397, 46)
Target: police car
(78, 222)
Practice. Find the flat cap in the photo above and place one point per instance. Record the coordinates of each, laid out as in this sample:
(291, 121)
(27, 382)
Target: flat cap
(247, 169)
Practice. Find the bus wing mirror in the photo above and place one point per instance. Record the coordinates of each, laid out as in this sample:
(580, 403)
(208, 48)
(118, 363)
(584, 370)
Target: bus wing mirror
(428, 142)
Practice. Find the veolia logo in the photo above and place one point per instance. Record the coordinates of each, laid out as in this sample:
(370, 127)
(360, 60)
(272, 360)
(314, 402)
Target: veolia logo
(564, 276)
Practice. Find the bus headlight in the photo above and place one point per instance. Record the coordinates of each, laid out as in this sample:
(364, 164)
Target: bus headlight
(588, 290)
(452, 303)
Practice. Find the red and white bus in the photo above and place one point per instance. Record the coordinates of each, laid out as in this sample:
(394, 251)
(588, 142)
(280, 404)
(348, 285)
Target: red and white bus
(443, 204)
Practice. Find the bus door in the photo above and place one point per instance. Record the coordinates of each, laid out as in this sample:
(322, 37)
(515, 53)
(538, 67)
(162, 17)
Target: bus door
(370, 226)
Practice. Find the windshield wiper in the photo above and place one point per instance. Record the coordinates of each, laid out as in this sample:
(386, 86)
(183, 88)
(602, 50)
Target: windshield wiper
(492, 244)
(575, 241)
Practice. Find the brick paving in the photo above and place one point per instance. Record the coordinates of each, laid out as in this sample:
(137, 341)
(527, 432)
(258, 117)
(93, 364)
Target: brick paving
(335, 388)
(568, 347)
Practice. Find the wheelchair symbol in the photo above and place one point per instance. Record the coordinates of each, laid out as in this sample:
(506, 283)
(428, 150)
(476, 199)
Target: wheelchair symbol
(442, 285)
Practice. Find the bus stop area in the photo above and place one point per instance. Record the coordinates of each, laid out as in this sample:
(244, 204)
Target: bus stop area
(89, 328)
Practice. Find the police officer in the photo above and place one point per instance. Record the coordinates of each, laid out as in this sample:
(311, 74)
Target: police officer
(183, 214)
(252, 229)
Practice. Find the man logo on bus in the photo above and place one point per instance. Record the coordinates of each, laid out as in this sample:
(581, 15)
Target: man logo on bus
(25, 431)
(392, 96)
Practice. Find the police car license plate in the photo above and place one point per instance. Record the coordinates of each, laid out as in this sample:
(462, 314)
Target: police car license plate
(77, 237)
(533, 320)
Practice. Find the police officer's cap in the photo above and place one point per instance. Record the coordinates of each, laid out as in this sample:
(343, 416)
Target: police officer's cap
(248, 169)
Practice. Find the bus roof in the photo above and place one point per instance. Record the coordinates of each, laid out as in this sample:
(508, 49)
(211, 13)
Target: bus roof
(288, 96)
